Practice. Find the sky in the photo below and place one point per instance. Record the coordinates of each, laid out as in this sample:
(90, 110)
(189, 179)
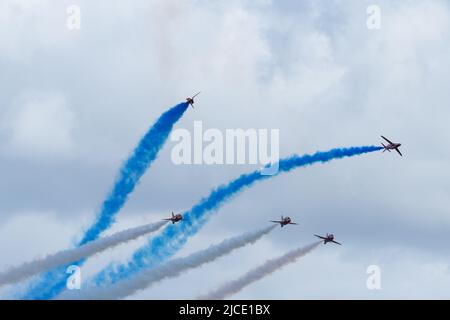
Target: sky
(74, 104)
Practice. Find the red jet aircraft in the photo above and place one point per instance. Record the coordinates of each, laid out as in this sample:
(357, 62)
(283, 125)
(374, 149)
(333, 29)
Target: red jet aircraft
(328, 238)
(284, 221)
(391, 146)
(175, 217)
(190, 101)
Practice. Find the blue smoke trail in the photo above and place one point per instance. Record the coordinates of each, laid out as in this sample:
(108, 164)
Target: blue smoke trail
(133, 169)
(173, 237)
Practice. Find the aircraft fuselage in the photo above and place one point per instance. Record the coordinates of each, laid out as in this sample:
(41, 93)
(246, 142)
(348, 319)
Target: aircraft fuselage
(393, 146)
(328, 238)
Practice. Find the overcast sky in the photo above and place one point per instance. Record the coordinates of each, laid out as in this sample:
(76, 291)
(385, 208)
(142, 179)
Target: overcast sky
(74, 103)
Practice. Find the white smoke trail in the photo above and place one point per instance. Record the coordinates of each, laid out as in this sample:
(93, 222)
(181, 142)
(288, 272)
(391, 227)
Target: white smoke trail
(170, 269)
(28, 269)
(258, 273)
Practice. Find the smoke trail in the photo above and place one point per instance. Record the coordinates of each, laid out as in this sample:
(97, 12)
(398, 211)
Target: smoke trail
(67, 256)
(171, 239)
(132, 170)
(170, 269)
(269, 267)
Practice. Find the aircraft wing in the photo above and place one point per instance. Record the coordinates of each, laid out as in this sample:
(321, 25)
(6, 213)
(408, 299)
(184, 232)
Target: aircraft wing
(320, 237)
(196, 95)
(387, 140)
(168, 219)
(276, 221)
(398, 152)
(336, 242)
(293, 223)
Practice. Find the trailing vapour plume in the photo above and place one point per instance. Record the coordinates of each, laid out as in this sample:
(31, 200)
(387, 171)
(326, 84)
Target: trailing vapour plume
(28, 269)
(269, 267)
(132, 170)
(170, 269)
(173, 238)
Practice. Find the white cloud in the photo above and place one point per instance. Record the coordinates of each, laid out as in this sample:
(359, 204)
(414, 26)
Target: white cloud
(312, 69)
(310, 72)
(39, 28)
(40, 125)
